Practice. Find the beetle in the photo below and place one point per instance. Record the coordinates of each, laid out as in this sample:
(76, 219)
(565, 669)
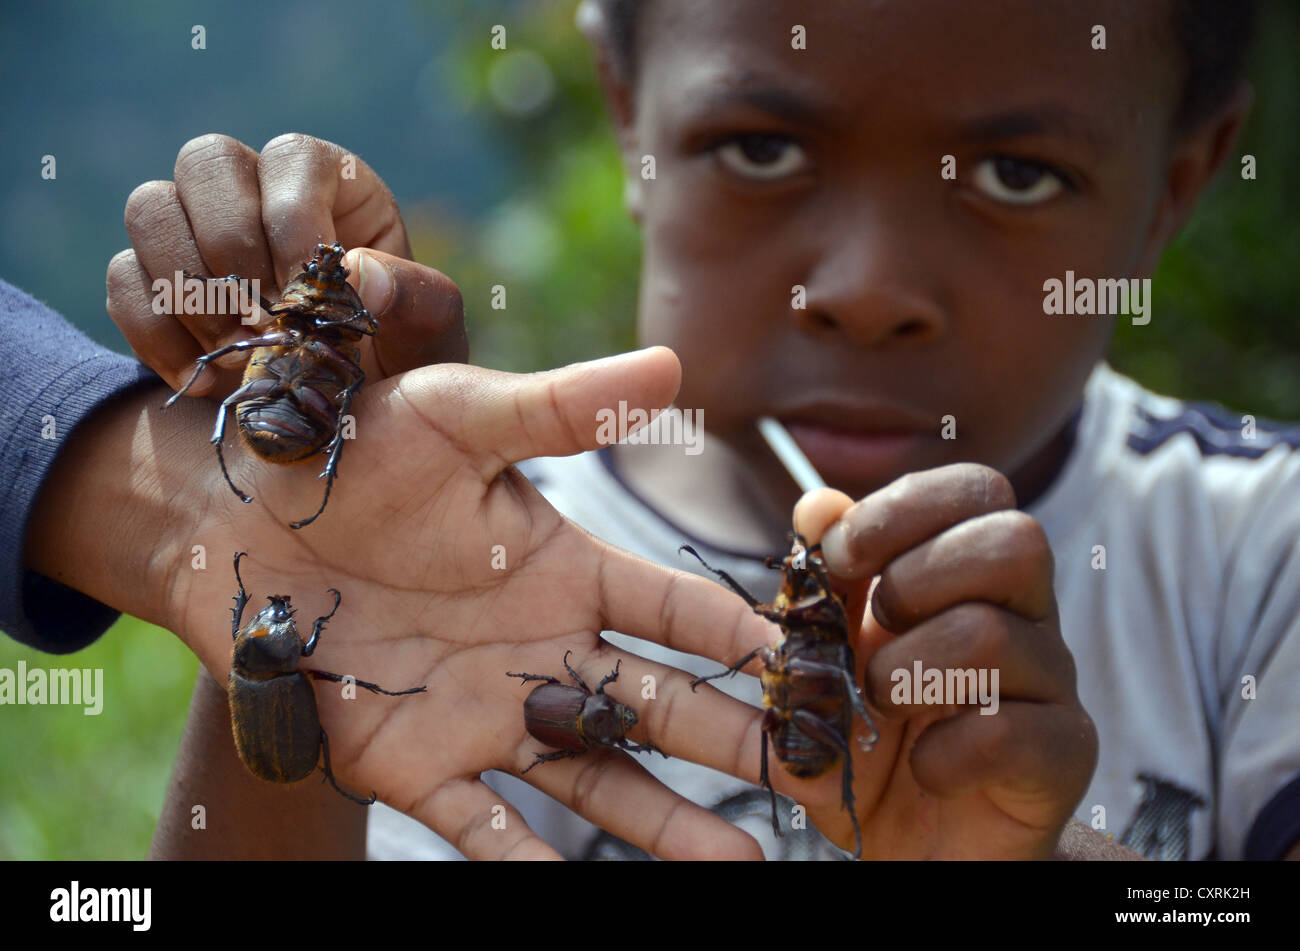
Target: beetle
(576, 719)
(809, 696)
(303, 373)
(272, 703)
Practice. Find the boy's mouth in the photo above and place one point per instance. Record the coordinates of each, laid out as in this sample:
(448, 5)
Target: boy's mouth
(851, 444)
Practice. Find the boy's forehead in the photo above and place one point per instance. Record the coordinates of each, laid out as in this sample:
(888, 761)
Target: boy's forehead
(953, 55)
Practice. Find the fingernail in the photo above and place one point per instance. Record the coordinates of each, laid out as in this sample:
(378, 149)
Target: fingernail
(835, 548)
(374, 283)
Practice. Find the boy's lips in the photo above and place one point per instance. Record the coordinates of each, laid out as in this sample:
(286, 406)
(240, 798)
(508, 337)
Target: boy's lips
(857, 443)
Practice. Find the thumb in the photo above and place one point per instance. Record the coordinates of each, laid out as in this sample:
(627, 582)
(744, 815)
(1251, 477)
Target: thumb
(419, 310)
(503, 418)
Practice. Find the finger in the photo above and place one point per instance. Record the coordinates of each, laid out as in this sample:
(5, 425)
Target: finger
(315, 191)
(909, 510)
(420, 313)
(216, 183)
(165, 247)
(819, 509)
(610, 790)
(475, 818)
(815, 512)
(501, 418)
(157, 339)
(1003, 558)
(1029, 750)
(1024, 660)
(680, 610)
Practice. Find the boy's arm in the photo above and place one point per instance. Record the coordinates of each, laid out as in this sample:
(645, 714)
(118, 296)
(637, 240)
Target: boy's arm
(244, 817)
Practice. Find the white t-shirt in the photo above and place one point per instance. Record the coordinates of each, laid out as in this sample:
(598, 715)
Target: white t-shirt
(1187, 641)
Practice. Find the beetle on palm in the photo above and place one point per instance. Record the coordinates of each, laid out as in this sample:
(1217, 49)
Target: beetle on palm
(272, 702)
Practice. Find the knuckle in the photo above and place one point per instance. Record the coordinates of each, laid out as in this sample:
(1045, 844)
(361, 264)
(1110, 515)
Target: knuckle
(147, 201)
(199, 155)
(292, 144)
(122, 267)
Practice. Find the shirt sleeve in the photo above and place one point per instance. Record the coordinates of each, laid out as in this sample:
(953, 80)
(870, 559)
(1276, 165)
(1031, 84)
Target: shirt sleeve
(52, 378)
(1258, 658)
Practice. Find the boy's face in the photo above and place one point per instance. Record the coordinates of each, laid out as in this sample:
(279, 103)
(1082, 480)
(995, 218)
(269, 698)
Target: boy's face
(821, 167)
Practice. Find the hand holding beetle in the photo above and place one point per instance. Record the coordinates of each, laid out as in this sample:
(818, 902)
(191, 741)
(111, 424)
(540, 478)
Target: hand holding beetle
(411, 540)
(965, 581)
(232, 210)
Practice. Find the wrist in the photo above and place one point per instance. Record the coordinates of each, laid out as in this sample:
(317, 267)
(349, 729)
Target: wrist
(113, 518)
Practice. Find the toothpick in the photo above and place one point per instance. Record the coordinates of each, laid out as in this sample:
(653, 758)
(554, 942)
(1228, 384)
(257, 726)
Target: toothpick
(791, 456)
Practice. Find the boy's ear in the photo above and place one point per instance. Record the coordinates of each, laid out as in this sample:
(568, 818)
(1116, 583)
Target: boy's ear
(618, 88)
(1197, 154)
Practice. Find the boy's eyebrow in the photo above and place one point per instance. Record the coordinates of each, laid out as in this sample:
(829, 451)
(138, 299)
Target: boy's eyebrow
(778, 100)
(1039, 120)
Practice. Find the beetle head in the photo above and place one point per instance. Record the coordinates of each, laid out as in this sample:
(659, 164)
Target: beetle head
(626, 715)
(270, 642)
(328, 256)
(279, 610)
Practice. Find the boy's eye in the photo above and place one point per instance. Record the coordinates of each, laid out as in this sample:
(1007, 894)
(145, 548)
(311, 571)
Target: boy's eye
(1016, 181)
(761, 156)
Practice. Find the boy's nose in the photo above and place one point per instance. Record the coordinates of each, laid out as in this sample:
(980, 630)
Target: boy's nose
(875, 287)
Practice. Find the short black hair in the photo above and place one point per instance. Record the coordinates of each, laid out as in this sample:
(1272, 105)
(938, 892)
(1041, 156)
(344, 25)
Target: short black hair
(1215, 36)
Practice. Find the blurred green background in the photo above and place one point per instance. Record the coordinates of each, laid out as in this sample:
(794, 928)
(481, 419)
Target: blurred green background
(507, 172)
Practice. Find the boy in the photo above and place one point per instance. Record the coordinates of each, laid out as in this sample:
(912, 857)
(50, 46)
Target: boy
(783, 168)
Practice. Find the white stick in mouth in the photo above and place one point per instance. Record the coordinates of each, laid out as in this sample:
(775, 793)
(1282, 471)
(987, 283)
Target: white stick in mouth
(791, 456)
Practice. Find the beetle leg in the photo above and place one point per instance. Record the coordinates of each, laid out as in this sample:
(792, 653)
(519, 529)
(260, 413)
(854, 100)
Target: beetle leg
(574, 674)
(265, 304)
(528, 677)
(335, 449)
(310, 647)
(241, 599)
(631, 747)
(273, 339)
(373, 688)
(855, 695)
(329, 774)
(369, 328)
(734, 668)
(547, 757)
(600, 687)
(253, 390)
(730, 582)
(818, 729)
(769, 718)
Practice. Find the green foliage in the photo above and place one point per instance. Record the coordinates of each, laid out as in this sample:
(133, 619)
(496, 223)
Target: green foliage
(1224, 318)
(91, 787)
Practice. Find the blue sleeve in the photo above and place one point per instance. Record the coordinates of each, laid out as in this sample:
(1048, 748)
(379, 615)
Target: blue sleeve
(52, 377)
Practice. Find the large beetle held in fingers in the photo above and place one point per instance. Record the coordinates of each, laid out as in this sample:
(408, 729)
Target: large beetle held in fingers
(575, 719)
(303, 373)
(272, 702)
(809, 696)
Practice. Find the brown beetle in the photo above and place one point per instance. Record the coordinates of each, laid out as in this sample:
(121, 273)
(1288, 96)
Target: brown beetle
(303, 374)
(272, 703)
(575, 719)
(809, 695)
